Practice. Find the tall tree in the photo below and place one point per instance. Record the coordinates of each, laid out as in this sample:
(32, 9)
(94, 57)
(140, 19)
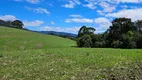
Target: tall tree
(85, 37)
(138, 24)
(120, 26)
(18, 24)
(118, 32)
(85, 30)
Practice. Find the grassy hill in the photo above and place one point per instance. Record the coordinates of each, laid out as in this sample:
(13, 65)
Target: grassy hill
(11, 39)
(27, 55)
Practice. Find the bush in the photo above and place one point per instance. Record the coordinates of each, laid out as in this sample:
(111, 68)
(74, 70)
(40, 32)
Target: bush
(139, 42)
(1, 55)
(115, 44)
(100, 44)
(84, 41)
(87, 45)
(132, 45)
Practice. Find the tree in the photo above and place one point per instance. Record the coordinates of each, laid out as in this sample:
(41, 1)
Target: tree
(6, 23)
(116, 44)
(120, 32)
(84, 41)
(85, 37)
(138, 24)
(100, 44)
(120, 26)
(85, 30)
(138, 40)
(18, 24)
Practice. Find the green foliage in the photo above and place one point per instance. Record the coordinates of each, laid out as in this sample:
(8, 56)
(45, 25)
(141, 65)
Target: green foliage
(122, 34)
(115, 44)
(138, 24)
(120, 26)
(1, 55)
(85, 31)
(85, 37)
(138, 40)
(132, 44)
(129, 35)
(15, 24)
(101, 44)
(84, 41)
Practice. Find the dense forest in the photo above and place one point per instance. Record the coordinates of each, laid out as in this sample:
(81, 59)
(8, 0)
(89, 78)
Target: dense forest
(122, 34)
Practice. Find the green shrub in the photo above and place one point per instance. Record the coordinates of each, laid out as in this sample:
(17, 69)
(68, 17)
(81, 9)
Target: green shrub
(115, 44)
(1, 55)
(100, 44)
(84, 41)
(139, 41)
(132, 45)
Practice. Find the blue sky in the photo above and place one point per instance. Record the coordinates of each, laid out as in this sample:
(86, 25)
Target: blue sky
(69, 15)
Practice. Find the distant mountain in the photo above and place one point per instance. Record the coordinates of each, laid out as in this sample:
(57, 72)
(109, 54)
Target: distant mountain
(58, 33)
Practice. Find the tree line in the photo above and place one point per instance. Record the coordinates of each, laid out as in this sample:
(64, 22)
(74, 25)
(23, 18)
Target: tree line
(122, 34)
(13, 24)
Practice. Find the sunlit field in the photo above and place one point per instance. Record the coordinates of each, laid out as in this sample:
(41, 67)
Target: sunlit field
(31, 56)
(71, 63)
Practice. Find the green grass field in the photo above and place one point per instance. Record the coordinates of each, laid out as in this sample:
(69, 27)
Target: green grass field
(58, 61)
(15, 39)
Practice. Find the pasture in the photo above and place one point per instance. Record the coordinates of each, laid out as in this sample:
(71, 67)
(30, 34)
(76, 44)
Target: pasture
(31, 56)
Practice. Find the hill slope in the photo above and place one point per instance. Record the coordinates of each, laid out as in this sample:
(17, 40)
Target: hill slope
(13, 39)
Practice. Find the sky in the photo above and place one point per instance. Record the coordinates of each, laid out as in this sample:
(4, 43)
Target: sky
(69, 15)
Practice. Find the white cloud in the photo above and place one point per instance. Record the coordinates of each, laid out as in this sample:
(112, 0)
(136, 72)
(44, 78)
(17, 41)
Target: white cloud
(51, 22)
(8, 18)
(103, 24)
(76, 16)
(79, 20)
(129, 1)
(122, 1)
(134, 14)
(33, 1)
(38, 10)
(29, 1)
(33, 23)
(107, 7)
(71, 4)
(90, 4)
(100, 12)
(61, 29)
(124, 6)
(102, 20)
(18, 0)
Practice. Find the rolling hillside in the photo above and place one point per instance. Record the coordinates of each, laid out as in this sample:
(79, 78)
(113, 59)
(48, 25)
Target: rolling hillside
(13, 39)
(28, 55)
